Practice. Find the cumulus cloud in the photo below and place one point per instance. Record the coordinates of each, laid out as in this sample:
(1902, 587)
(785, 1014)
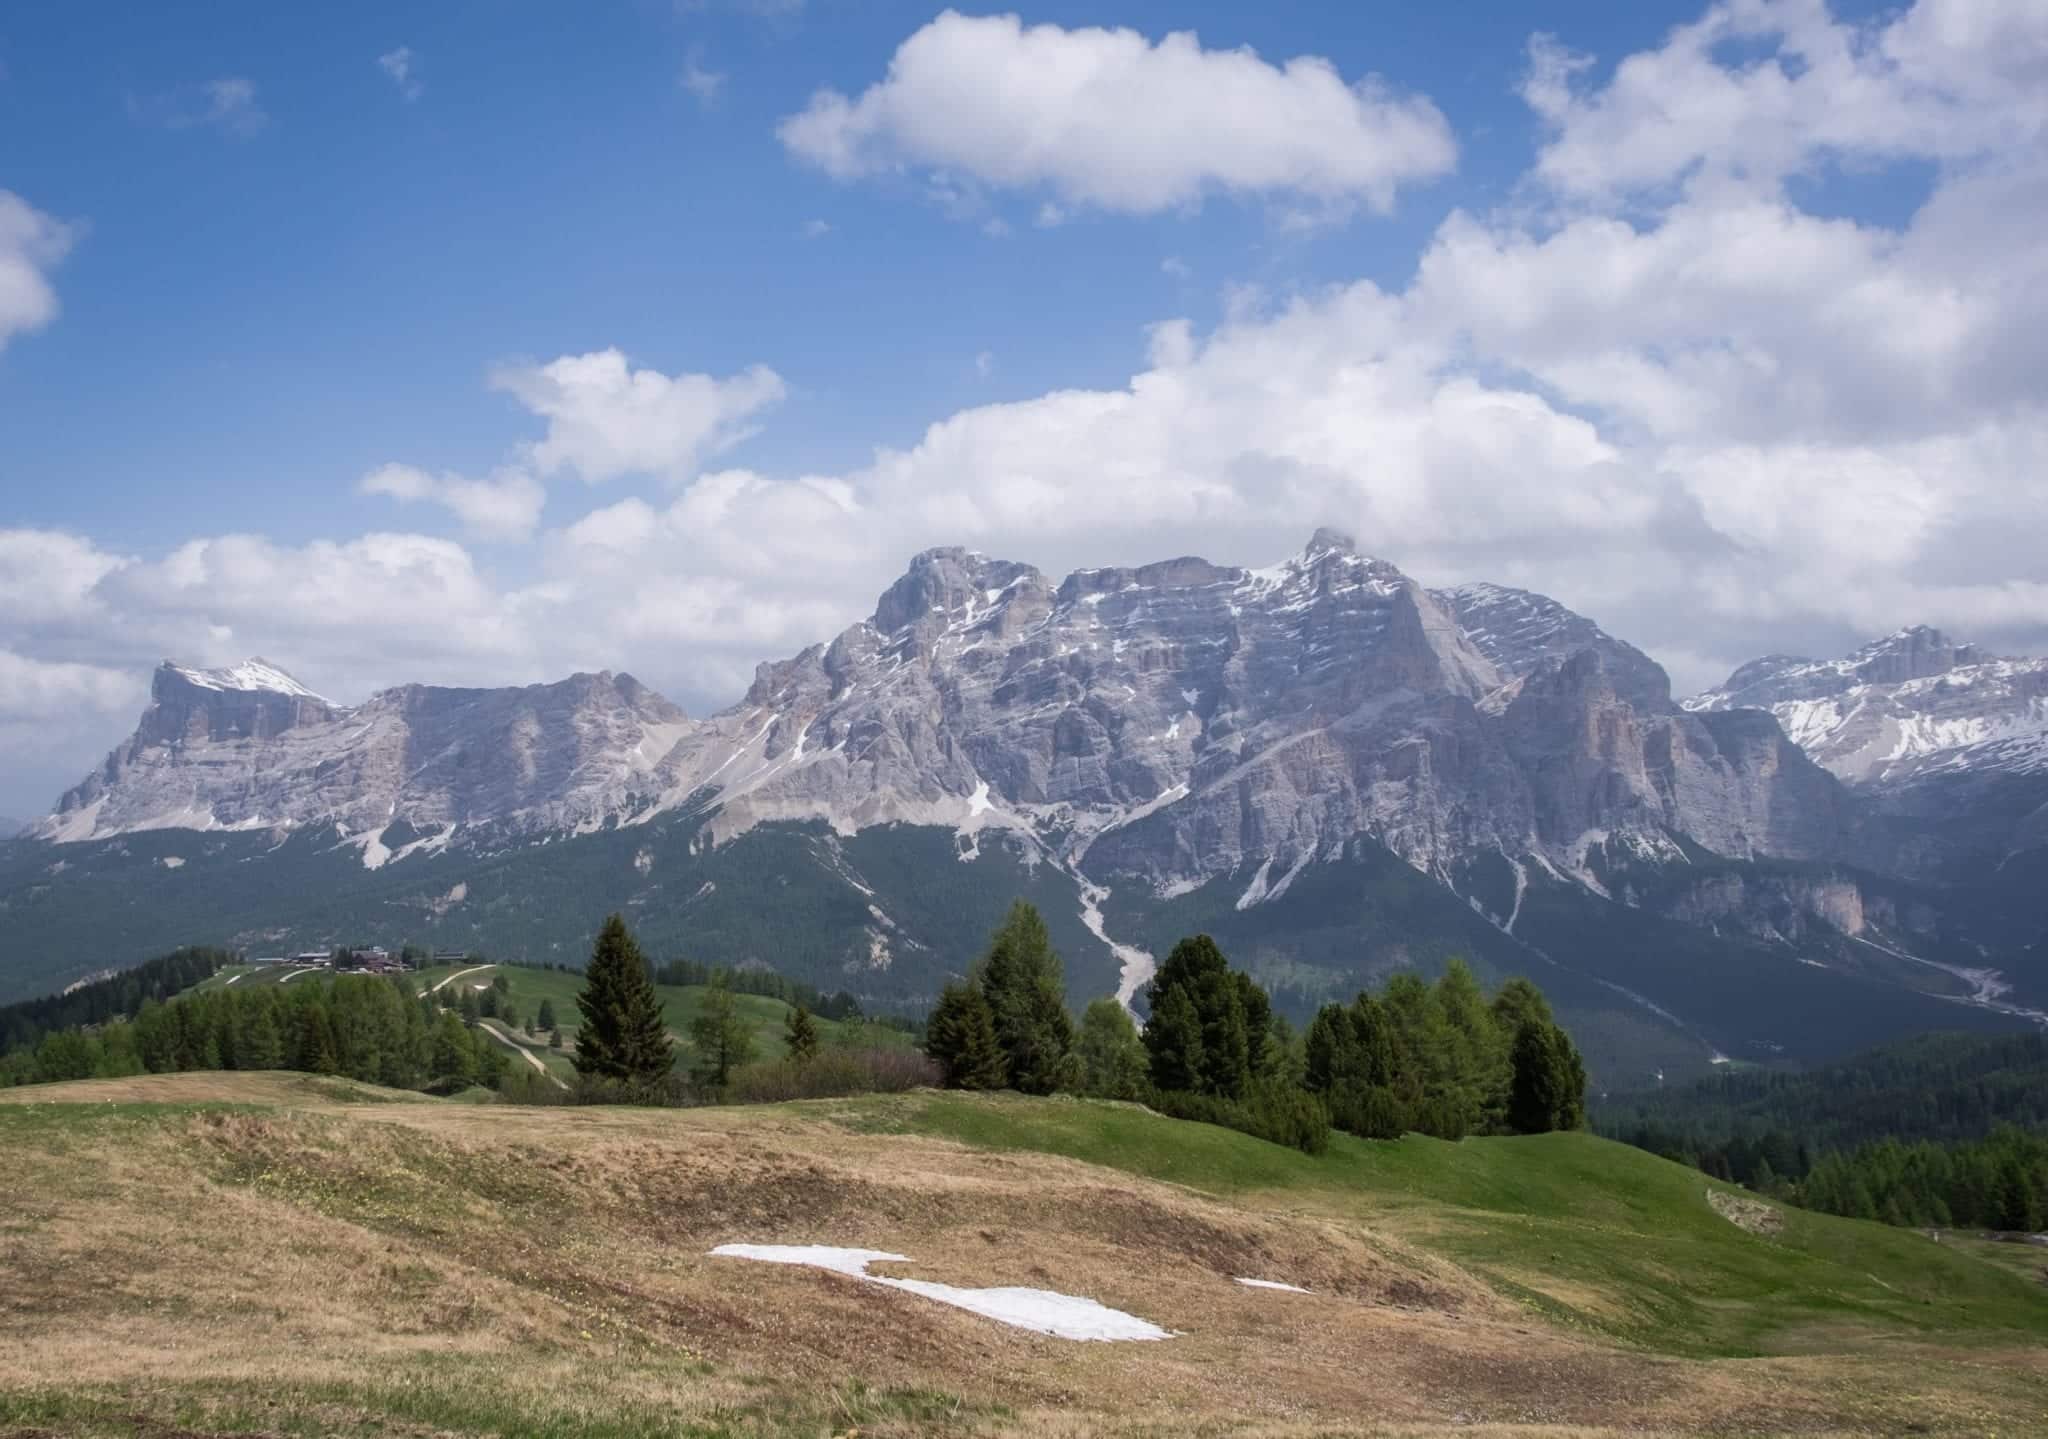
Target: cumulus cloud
(1946, 80)
(1110, 119)
(401, 67)
(31, 244)
(506, 506)
(607, 419)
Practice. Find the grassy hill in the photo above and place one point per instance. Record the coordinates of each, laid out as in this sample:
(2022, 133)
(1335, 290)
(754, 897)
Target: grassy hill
(283, 1254)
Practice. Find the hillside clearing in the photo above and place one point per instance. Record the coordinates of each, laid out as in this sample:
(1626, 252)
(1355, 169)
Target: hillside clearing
(280, 1253)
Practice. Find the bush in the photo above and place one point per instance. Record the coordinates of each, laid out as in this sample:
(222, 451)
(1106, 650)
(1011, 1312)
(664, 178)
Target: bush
(831, 1074)
(1279, 1114)
(1370, 1111)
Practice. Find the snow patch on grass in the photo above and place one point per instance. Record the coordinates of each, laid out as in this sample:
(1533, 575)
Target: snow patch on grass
(1064, 1316)
(1270, 1284)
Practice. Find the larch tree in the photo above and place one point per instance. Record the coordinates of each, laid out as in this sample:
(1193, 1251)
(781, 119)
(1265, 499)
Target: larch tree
(723, 1038)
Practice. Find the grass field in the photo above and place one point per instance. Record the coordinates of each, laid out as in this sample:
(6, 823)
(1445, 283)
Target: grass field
(279, 1254)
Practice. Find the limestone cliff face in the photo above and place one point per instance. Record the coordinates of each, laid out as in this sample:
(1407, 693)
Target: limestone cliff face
(251, 748)
(1166, 724)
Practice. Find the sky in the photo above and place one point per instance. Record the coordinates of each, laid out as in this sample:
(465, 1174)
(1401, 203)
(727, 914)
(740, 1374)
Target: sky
(486, 342)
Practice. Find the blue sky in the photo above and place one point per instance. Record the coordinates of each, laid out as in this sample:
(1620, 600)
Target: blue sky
(284, 247)
(347, 272)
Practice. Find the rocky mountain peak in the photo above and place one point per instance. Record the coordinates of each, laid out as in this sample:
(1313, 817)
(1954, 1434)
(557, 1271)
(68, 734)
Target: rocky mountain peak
(1917, 652)
(1913, 703)
(949, 582)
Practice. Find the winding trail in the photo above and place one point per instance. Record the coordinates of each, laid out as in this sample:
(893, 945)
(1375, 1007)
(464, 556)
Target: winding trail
(473, 969)
(488, 1027)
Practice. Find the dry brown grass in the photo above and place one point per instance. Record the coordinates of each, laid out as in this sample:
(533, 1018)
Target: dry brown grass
(554, 1259)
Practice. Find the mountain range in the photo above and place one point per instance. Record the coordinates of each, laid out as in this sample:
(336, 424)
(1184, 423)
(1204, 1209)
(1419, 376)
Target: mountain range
(1335, 770)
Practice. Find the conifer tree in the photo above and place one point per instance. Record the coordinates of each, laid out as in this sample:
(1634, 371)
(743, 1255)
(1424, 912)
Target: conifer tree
(1022, 981)
(960, 1038)
(723, 1038)
(622, 1037)
(800, 1035)
(1113, 1061)
(453, 1055)
(1173, 1041)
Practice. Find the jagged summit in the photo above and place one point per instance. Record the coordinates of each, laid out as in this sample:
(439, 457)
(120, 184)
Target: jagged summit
(1174, 721)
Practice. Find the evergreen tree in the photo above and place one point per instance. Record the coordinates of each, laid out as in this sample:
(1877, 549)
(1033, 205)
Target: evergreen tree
(723, 1038)
(313, 1041)
(622, 1037)
(1022, 981)
(800, 1035)
(1173, 1042)
(262, 1047)
(960, 1037)
(453, 1057)
(546, 1018)
(1113, 1061)
(1536, 1094)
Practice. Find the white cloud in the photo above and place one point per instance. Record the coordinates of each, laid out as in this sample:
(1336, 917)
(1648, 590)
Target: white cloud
(1109, 119)
(228, 105)
(506, 506)
(402, 66)
(985, 363)
(41, 691)
(31, 245)
(607, 419)
(816, 229)
(1174, 267)
(1946, 80)
(704, 85)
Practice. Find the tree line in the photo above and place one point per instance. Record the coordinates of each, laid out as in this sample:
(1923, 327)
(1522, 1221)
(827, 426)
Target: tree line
(1935, 1086)
(1436, 1059)
(118, 996)
(1999, 1182)
(1932, 1131)
(364, 1027)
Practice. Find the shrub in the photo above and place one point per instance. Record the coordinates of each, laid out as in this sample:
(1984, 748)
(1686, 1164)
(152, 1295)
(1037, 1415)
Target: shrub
(831, 1074)
(1370, 1111)
(1279, 1114)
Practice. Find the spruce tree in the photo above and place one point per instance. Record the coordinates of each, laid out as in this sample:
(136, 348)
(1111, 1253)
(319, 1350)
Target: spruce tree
(1538, 1094)
(800, 1035)
(622, 1037)
(1173, 1041)
(960, 1037)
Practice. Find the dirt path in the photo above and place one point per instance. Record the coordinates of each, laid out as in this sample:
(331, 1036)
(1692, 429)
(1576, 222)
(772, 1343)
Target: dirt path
(524, 1053)
(473, 969)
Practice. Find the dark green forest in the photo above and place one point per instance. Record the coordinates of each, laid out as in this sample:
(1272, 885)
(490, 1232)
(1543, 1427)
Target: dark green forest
(1938, 1130)
(364, 1027)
